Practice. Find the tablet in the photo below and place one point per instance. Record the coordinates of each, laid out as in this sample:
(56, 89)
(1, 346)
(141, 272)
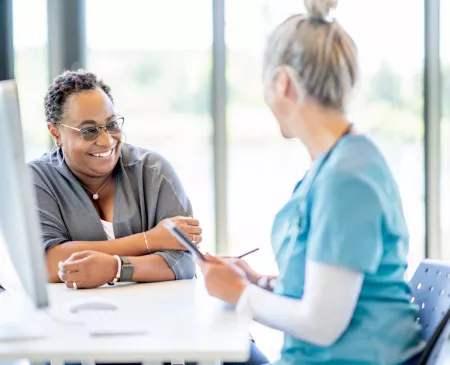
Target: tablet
(184, 239)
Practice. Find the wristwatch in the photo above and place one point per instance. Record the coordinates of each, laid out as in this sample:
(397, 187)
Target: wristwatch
(266, 283)
(119, 270)
(127, 269)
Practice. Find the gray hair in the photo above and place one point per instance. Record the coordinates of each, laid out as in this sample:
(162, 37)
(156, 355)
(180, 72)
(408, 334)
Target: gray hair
(321, 53)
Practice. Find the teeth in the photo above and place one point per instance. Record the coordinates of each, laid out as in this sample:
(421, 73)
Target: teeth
(106, 154)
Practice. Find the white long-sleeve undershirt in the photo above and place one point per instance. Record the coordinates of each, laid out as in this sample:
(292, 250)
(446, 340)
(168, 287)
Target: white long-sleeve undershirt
(321, 316)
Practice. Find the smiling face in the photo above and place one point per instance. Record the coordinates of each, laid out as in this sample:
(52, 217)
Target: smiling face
(96, 158)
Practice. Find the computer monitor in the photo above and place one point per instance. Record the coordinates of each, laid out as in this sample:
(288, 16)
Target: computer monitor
(19, 221)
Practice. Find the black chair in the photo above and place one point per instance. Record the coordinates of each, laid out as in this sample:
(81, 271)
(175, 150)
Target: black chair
(430, 287)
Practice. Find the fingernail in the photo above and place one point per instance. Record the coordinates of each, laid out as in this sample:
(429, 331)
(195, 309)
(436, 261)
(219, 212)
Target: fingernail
(60, 265)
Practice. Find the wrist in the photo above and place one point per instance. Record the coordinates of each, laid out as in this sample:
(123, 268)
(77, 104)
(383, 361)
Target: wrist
(117, 269)
(127, 269)
(266, 282)
(152, 243)
(255, 277)
(240, 288)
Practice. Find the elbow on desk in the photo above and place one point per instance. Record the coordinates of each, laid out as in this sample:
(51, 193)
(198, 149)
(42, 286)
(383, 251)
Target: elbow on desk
(181, 263)
(184, 267)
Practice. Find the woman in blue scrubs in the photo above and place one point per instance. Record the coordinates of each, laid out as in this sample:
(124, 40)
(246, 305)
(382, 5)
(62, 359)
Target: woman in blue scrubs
(341, 241)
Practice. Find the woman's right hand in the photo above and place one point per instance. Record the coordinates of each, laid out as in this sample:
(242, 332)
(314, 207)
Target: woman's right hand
(159, 238)
(251, 274)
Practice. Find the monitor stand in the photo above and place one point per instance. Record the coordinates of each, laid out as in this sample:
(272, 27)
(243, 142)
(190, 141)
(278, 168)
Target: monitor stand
(19, 320)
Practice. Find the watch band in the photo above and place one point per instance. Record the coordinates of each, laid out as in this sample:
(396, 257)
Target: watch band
(266, 283)
(127, 269)
(119, 271)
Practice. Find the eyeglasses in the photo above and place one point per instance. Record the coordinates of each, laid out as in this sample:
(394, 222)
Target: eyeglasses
(91, 133)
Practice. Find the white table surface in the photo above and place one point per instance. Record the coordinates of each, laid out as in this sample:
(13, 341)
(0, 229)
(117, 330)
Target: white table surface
(184, 323)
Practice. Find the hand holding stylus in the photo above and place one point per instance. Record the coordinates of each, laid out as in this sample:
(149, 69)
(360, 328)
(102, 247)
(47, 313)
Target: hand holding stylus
(237, 261)
(247, 253)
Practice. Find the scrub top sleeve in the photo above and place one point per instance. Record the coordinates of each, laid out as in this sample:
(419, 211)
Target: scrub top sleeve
(346, 224)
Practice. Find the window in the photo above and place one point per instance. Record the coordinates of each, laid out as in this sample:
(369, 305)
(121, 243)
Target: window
(263, 167)
(32, 80)
(156, 56)
(31, 72)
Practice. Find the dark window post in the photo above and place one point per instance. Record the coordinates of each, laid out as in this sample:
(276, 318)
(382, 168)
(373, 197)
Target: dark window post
(66, 35)
(6, 41)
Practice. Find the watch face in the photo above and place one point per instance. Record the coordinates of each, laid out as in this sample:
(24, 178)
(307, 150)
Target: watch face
(127, 269)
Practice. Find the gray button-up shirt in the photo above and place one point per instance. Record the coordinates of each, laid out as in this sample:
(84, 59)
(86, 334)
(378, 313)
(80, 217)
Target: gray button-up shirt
(147, 191)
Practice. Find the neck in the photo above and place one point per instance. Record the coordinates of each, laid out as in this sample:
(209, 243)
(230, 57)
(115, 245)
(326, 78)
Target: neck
(93, 183)
(320, 129)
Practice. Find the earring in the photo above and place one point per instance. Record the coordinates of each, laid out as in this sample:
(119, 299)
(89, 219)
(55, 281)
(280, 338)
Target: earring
(57, 144)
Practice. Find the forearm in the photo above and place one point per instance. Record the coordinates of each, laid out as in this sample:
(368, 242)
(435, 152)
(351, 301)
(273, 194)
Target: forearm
(151, 268)
(133, 245)
(163, 266)
(311, 318)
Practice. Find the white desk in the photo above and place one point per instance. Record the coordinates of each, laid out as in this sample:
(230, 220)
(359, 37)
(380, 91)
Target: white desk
(184, 323)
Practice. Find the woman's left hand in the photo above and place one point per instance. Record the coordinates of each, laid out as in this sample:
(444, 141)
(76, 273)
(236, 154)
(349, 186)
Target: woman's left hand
(89, 269)
(222, 280)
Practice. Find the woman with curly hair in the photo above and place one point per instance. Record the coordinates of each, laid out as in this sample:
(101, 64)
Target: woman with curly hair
(101, 201)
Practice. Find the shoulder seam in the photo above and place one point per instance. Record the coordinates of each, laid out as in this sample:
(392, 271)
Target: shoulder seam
(164, 177)
(176, 195)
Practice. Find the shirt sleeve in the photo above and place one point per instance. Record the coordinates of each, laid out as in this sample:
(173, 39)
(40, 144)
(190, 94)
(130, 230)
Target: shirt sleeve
(172, 198)
(173, 201)
(180, 262)
(346, 224)
(311, 318)
(53, 229)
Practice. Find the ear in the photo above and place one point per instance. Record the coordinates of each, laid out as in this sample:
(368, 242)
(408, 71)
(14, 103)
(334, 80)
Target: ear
(290, 84)
(54, 132)
(282, 83)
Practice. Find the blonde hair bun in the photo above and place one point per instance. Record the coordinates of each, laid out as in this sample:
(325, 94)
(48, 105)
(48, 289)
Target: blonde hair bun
(320, 8)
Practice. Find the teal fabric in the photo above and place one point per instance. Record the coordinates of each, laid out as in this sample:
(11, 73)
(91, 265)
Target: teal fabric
(347, 212)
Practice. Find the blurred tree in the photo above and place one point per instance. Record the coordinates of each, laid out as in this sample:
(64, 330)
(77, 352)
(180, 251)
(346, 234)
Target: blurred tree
(192, 94)
(386, 87)
(147, 72)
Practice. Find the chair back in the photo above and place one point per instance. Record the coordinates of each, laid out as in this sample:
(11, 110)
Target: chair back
(430, 287)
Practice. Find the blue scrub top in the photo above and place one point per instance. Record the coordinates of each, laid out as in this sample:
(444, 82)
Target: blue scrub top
(347, 212)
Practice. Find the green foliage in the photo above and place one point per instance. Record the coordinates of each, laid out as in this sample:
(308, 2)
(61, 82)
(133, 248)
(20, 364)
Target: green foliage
(385, 86)
(181, 79)
(147, 72)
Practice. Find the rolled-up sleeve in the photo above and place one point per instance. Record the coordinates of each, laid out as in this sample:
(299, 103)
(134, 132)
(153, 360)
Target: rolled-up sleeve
(173, 201)
(180, 262)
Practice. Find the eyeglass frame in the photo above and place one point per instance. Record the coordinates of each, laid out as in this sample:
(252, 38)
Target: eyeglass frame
(99, 128)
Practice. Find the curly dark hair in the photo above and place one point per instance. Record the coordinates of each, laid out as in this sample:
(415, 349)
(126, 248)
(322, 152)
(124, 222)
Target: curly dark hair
(66, 84)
